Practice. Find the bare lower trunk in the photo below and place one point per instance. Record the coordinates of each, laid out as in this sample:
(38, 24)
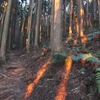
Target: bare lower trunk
(5, 30)
(57, 26)
(29, 25)
(52, 26)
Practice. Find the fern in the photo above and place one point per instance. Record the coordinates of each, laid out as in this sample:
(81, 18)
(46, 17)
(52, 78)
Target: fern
(75, 58)
(93, 34)
(98, 52)
(58, 56)
(97, 78)
(87, 57)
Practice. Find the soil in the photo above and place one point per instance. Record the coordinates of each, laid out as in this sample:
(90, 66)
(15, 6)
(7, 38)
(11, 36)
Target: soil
(32, 77)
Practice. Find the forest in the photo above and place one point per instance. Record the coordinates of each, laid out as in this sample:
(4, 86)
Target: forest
(49, 50)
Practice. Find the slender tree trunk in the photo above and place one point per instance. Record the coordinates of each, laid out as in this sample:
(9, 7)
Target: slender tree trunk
(99, 12)
(52, 26)
(81, 18)
(33, 28)
(70, 24)
(82, 35)
(10, 31)
(17, 27)
(87, 12)
(9, 39)
(38, 23)
(2, 22)
(29, 24)
(65, 17)
(77, 24)
(22, 33)
(1, 26)
(5, 30)
(94, 7)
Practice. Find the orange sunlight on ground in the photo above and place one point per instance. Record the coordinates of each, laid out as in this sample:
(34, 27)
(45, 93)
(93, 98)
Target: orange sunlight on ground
(16, 71)
(40, 59)
(61, 93)
(39, 74)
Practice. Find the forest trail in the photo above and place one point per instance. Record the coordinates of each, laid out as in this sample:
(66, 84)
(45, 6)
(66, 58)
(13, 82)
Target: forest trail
(29, 77)
(12, 86)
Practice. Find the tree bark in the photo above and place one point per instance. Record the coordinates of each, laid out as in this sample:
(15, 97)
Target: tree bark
(87, 12)
(99, 12)
(52, 26)
(38, 23)
(94, 7)
(70, 24)
(29, 25)
(5, 30)
(57, 43)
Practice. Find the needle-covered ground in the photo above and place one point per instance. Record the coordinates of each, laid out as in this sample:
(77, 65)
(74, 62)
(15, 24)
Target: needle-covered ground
(32, 77)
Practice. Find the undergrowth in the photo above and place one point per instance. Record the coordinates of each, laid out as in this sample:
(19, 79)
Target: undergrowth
(59, 56)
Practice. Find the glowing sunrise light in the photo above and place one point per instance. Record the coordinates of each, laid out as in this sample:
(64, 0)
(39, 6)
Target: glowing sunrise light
(62, 93)
(39, 74)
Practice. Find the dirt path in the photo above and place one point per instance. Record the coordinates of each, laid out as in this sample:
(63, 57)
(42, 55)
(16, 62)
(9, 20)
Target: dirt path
(24, 77)
(12, 85)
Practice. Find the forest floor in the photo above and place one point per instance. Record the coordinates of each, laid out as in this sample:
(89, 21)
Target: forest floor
(31, 77)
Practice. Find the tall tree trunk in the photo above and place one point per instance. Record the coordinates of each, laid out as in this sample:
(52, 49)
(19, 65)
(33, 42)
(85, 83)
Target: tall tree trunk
(12, 27)
(1, 26)
(38, 23)
(5, 31)
(94, 7)
(52, 26)
(77, 24)
(22, 33)
(65, 18)
(57, 43)
(81, 15)
(2, 22)
(99, 12)
(87, 12)
(82, 35)
(29, 24)
(70, 24)
(33, 28)
(17, 27)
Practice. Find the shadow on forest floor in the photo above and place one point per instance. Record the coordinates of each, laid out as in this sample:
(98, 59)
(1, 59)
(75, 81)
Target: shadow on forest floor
(30, 77)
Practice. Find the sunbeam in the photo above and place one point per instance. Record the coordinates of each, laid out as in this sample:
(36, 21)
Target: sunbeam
(39, 74)
(62, 93)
